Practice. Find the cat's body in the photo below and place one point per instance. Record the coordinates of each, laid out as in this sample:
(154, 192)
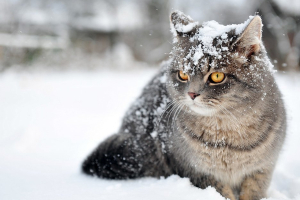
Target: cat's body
(226, 134)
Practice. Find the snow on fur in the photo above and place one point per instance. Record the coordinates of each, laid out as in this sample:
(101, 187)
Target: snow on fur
(205, 34)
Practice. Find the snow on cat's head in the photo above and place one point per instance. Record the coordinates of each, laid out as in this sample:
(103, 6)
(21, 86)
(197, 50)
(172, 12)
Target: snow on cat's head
(216, 67)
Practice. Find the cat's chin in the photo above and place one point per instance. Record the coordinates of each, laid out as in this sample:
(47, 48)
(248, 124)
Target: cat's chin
(202, 110)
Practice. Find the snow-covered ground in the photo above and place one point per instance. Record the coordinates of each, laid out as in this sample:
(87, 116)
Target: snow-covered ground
(49, 122)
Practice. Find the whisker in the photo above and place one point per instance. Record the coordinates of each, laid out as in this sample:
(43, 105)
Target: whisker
(167, 111)
(163, 113)
(176, 115)
(172, 110)
(178, 107)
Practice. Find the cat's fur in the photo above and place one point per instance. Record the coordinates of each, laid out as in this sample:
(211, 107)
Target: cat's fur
(228, 137)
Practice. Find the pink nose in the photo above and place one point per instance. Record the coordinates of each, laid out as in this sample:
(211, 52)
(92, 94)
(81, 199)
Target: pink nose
(193, 95)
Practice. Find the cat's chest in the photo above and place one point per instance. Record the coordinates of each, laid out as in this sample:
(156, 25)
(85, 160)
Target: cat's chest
(218, 152)
(225, 164)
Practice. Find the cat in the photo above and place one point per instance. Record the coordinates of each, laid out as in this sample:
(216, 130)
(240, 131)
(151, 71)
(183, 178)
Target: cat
(213, 113)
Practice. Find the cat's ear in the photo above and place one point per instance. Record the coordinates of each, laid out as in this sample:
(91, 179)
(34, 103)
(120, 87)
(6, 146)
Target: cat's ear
(249, 41)
(182, 25)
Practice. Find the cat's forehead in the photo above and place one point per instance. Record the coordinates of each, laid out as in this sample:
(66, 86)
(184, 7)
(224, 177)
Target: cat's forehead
(209, 47)
(195, 60)
(208, 63)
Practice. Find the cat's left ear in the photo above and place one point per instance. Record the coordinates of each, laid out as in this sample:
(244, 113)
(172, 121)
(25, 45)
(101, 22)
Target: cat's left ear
(182, 25)
(249, 42)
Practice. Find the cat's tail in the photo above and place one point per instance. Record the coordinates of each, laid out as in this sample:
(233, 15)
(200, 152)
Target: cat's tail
(111, 159)
(123, 156)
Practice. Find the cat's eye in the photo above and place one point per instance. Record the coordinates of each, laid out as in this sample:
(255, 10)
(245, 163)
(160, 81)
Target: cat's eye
(217, 77)
(183, 76)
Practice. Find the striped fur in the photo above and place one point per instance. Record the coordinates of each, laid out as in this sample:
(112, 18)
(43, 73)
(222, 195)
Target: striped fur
(229, 137)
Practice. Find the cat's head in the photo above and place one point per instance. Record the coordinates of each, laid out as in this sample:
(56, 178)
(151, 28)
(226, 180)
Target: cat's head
(216, 67)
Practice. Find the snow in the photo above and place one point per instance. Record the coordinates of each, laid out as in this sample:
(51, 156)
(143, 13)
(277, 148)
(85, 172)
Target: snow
(183, 28)
(212, 29)
(51, 121)
(207, 32)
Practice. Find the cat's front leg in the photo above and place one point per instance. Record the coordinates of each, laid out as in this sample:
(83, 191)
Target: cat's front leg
(254, 187)
(206, 180)
(225, 191)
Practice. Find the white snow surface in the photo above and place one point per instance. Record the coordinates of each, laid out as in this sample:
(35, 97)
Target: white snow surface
(51, 121)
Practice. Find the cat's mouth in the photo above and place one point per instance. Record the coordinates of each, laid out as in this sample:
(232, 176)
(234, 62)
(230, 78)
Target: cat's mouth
(201, 108)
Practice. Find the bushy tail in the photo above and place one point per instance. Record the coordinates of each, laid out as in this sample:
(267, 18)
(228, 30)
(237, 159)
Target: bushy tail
(123, 156)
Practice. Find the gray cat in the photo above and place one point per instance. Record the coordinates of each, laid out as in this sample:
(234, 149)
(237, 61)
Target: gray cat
(213, 114)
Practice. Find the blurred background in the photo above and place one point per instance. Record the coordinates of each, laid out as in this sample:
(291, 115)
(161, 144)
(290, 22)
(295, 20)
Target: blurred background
(93, 34)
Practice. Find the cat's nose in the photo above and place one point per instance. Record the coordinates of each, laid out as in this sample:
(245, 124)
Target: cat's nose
(193, 95)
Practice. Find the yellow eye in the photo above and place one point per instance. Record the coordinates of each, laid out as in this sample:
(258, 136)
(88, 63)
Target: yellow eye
(183, 76)
(217, 77)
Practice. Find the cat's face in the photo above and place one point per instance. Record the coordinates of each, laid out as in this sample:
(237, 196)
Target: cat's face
(217, 68)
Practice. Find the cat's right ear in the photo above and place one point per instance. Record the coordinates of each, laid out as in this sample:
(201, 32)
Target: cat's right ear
(182, 25)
